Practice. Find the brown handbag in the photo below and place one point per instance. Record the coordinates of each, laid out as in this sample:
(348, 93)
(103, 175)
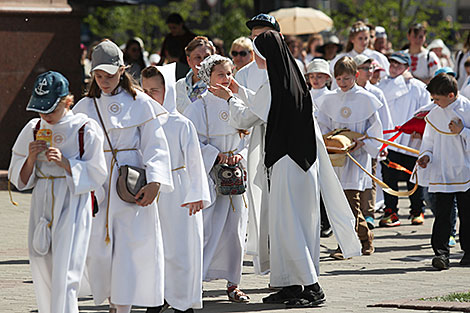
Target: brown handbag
(131, 178)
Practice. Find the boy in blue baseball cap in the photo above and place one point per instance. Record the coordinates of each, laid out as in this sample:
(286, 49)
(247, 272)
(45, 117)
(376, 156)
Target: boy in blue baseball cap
(60, 156)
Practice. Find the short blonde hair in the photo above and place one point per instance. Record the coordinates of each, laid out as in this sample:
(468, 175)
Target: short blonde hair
(243, 42)
(345, 65)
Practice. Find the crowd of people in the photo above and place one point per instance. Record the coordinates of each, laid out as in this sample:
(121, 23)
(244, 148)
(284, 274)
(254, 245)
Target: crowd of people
(172, 167)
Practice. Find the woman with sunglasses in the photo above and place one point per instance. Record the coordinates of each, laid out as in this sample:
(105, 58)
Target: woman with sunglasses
(241, 52)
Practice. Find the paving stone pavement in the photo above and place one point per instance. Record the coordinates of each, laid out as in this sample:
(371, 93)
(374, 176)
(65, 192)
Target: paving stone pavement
(399, 270)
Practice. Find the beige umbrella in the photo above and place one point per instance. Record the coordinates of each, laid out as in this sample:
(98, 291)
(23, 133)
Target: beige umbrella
(299, 21)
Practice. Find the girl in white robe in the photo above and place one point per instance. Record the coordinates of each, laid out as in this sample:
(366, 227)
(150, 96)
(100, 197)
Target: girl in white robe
(294, 217)
(225, 221)
(125, 258)
(60, 198)
(182, 226)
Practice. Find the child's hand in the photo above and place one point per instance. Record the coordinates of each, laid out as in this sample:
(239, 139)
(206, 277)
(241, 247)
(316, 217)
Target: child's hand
(148, 193)
(456, 126)
(234, 159)
(222, 158)
(416, 135)
(234, 86)
(194, 207)
(221, 91)
(358, 144)
(423, 161)
(54, 155)
(36, 147)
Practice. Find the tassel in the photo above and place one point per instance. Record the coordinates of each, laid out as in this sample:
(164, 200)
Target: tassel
(11, 196)
(107, 239)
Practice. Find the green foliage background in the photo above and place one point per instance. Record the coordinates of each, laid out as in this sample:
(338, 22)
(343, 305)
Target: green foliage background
(396, 16)
(148, 21)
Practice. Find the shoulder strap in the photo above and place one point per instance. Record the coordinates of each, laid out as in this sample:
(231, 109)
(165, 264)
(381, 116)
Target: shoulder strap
(105, 132)
(459, 59)
(36, 129)
(81, 145)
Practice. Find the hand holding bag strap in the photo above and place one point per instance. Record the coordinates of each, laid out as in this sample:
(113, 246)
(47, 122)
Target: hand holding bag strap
(105, 132)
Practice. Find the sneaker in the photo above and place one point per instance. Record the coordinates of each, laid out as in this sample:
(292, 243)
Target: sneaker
(390, 219)
(452, 242)
(370, 222)
(285, 294)
(441, 262)
(327, 232)
(337, 254)
(417, 219)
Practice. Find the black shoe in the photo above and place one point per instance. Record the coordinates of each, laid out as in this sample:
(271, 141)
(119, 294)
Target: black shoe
(441, 262)
(325, 233)
(158, 309)
(310, 297)
(286, 293)
(465, 261)
(187, 311)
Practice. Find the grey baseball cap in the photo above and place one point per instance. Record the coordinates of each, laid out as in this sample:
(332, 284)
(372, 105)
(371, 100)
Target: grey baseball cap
(107, 57)
(361, 59)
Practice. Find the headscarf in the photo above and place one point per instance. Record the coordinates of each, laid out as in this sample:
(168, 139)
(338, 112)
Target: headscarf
(205, 69)
(168, 71)
(290, 129)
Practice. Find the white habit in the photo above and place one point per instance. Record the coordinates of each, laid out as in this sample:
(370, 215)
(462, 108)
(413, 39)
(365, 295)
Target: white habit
(225, 220)
(182, 234)
(294, 205)
(129, 268)
(65, 200)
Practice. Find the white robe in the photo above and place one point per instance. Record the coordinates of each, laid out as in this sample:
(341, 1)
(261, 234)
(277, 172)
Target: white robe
(449, 166)
(355, 109)
(251, 77)
(315, 94)
(182, 234)
(130, 268)
(294, 205)
(405, 98)
(57, 275)
(226, 219)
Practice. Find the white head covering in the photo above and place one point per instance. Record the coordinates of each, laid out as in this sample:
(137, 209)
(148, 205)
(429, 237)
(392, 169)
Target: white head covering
(169, 74)
(438, 43)
(205, 69)
(319, 66)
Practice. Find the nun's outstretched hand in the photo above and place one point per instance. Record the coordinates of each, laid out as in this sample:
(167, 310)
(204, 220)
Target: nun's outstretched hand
(221, 91)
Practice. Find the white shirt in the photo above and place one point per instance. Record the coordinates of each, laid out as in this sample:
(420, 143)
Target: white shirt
(424, 64)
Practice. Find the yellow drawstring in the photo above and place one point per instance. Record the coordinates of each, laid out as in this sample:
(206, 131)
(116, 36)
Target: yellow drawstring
(51, 178)
(9, 192)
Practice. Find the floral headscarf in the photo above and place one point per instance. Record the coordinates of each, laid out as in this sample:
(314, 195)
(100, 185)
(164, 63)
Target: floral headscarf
(205, 69)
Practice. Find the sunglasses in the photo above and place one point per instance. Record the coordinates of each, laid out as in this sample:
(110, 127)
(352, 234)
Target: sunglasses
(242, 53)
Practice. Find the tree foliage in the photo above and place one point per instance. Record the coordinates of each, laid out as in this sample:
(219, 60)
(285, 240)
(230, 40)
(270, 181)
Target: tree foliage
(148, 21)
(396, 16)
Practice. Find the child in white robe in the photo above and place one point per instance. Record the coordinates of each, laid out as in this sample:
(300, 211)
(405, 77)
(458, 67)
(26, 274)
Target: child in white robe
(225, 221)
(405, 96)
(125, 258)
(353, 108)
(445, 154)
(182, 226)
(318, 75)
(61, 156)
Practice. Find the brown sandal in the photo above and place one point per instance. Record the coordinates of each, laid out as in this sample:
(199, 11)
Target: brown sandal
(236, 295)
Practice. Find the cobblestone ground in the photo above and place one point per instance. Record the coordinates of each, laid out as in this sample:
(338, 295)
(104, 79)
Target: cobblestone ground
(400, 269)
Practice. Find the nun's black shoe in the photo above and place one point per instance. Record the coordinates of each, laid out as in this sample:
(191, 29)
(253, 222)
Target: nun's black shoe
(308, 298)
(286, 293)
(441, 262)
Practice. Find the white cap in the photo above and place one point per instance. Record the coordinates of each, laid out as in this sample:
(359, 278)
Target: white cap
(361, 59)
(154, 58)
(107, 57)
(319, 66)
(380, 32)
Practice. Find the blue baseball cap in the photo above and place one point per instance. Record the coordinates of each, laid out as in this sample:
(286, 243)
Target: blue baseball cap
(446, 70)
(401, 57)
(263, 20)
(49, 88)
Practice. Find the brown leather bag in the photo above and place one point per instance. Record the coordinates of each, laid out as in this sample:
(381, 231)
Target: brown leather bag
(131, 178)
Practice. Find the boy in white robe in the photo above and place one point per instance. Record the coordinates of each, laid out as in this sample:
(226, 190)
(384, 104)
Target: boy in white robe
(445, 153)
(405, 97)
(365, 72)
(61, 156)
(182, 226)
(225, 220)
(353, 108)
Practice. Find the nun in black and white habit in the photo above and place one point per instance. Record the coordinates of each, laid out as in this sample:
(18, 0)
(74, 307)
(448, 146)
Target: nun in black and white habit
(299, 168)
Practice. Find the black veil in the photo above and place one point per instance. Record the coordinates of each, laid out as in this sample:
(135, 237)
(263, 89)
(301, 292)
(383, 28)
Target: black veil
(290, 129)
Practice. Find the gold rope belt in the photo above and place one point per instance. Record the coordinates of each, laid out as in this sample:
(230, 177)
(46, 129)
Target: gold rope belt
(113, 161)
(231, 152)
(51, 178)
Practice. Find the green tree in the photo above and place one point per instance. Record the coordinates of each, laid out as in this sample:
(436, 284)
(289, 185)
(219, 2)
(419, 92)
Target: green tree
(395, 15)
(148, 21)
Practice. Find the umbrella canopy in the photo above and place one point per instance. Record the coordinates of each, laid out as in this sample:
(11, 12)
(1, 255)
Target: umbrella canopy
(299, 21)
